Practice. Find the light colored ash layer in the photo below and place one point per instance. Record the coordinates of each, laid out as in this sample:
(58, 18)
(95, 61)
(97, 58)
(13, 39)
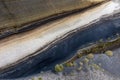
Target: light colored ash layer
(15, 13)
(18, 46)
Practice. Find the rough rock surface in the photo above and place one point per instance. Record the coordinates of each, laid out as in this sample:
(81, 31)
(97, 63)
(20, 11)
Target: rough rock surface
(16, 13)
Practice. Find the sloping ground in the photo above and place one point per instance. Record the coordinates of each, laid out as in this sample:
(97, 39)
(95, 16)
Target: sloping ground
(23, 54)
(47, 33)
(108, 68)
(16, 13)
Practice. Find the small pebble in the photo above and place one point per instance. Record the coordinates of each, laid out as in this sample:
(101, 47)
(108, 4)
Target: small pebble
(90, 56)
(96, 66)
(109, 53)
(81, 63)
(86, 60)
(80, 68)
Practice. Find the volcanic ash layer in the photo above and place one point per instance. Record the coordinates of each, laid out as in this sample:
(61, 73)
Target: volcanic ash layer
(17, 50)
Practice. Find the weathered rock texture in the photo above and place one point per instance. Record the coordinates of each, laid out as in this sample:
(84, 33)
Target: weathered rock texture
(25, 51)
(16, 13)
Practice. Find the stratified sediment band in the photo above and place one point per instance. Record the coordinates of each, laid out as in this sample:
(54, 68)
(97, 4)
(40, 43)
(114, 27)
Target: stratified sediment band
(16, 13)
(16, 49)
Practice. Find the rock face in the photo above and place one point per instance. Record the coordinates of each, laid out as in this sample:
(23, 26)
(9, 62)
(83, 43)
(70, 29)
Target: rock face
(16, 13)
(23, 52)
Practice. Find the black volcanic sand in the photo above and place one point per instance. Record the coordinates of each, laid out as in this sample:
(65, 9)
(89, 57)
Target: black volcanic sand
(64, 48)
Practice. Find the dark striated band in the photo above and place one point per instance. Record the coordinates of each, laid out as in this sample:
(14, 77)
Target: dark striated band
(63, 48)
